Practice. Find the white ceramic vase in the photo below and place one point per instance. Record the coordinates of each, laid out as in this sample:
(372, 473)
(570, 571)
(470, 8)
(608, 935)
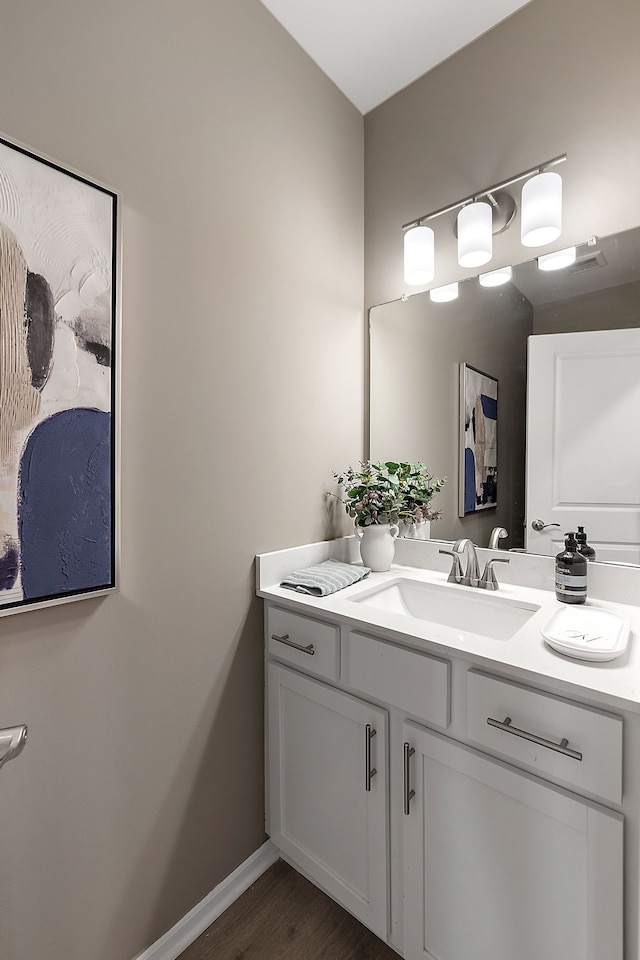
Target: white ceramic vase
(415, 531)
(377, 545)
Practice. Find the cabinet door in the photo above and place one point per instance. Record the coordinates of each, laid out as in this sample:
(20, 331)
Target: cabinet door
(499, 865)
(328, 811)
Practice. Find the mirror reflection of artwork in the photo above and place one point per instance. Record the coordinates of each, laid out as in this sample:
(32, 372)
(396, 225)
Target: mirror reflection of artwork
(57, 382)
(478, 440)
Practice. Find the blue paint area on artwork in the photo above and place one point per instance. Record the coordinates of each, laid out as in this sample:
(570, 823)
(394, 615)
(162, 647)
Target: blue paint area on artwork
(64, 505)
(469, 480)
(9, 564)
(489, 407)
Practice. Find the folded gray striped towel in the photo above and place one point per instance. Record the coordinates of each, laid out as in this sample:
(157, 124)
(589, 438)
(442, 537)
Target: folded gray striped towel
(325, 578)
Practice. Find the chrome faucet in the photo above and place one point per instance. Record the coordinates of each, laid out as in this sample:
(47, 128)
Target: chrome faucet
(497, 534)
(469, 576)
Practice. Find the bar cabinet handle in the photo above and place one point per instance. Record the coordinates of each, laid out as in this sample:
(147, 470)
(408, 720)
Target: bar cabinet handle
(562, 747)
(369, 774)
(290, 643)
(409, 794)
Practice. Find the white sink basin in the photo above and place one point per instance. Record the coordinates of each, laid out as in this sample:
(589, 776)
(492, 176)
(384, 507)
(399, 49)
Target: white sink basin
(463, 608)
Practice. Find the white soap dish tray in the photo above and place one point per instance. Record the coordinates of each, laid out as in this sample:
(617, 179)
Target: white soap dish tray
(587, 633)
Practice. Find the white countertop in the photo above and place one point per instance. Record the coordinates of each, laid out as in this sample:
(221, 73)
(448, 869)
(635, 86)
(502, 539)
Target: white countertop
(525, 655)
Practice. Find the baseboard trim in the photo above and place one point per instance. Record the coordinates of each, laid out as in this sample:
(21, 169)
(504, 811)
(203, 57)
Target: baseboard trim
(189, 928)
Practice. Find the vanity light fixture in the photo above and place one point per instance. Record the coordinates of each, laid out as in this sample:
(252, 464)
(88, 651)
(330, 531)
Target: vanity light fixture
(419, 264)
(558, 260)
(475, 234)
(495, 278)
(541, 214)
(484, 214)
(443, 294)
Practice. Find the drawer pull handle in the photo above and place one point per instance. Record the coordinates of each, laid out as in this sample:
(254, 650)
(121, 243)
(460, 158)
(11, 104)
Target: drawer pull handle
(369, 774)
(290, 643)
(562, 747)
(409, 794)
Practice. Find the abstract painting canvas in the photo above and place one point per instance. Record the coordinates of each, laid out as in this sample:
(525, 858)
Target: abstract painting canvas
(478, 441)
(58, 258)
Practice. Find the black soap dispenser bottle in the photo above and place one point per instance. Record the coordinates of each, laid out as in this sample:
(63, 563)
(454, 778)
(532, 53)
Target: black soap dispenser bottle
(583, 547)
(571, 572)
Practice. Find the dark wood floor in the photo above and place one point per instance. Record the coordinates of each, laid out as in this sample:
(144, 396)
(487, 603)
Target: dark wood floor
(284, 917)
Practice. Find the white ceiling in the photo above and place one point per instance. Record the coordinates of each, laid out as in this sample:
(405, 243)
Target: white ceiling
(373, 48)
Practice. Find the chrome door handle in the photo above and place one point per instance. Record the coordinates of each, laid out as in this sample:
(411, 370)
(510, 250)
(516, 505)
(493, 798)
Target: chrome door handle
(562, 747)
(369, 774)
(290, 643)
(409, 794)
(12, 741)
(539, 525)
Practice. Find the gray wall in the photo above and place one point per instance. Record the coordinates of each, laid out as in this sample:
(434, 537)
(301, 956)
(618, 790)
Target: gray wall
(610, 309)
(560, 76)
(240, 164)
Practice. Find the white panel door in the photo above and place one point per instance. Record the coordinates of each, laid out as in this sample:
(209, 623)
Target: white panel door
(328, 809)
(583, 454)
(501, 866)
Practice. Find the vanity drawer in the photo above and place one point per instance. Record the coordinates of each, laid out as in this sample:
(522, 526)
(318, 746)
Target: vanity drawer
(309, 644)
(414, 682)
(567, 742)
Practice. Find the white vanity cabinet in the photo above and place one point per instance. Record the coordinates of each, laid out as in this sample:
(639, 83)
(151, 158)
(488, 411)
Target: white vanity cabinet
(467, 843)
(500, 865)
(328, 790)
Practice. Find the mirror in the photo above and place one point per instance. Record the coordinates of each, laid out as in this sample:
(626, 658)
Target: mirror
(417, 346)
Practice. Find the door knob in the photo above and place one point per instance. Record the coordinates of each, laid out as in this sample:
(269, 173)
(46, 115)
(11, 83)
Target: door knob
(539, 525)
(12, 741)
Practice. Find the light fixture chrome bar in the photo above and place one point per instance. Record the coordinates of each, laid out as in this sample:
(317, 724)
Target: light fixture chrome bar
(540, 168)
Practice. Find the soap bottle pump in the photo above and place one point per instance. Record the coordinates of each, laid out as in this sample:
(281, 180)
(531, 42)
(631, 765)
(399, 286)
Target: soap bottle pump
(571, 572)
(583, 547)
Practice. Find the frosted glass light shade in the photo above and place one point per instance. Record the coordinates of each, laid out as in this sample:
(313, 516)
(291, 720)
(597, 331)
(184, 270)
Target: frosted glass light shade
(495, 278)
(558, 260)
(419, 261)
(541, 210)
(475, 235)
(442, 294)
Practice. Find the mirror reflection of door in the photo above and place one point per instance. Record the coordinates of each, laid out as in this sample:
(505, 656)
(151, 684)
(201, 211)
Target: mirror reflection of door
(583, 449)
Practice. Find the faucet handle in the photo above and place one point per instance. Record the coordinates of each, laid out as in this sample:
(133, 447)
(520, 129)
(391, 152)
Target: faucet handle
(455, 575)
(488, 580)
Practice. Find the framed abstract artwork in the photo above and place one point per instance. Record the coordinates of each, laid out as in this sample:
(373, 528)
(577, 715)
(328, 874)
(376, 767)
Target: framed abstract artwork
(478, 471)
(59, 333)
